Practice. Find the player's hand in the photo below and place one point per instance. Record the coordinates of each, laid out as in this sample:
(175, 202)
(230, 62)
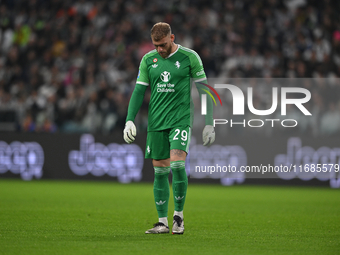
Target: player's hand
(208, 135)
(129, 132)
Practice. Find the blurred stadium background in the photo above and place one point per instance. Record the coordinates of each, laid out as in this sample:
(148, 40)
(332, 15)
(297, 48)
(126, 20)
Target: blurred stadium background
(68, 68)
(67, 71)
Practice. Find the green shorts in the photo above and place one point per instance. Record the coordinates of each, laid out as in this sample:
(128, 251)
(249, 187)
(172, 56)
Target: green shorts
(159, 143)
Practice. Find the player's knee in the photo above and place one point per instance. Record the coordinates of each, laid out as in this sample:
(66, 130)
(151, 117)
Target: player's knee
(161, 162)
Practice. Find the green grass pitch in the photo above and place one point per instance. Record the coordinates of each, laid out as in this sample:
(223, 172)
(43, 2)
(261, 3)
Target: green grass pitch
(74, 217)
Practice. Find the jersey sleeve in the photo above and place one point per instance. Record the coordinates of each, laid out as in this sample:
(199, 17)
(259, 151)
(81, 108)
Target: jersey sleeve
(197, 70)
(143, 76)
(198, 74)
(136, 102)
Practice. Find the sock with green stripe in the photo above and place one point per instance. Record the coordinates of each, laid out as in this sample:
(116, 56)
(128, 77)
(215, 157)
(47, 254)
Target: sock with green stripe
(161, 190)
(179, 183)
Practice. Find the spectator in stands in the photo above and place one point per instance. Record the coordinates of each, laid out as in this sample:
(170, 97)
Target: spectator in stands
(55, 55)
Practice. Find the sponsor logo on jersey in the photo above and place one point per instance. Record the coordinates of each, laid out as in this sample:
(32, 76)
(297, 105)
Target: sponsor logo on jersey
(177, 64)
(161, 87)
(183, 143)
(200, 73)
(155, 60)
(165, 76)
(154, 65)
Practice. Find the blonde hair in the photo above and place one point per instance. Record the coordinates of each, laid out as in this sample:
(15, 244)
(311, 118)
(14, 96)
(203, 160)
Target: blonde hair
(160, 30)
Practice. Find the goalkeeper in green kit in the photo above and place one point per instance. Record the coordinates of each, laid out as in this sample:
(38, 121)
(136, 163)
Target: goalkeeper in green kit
(167, 70)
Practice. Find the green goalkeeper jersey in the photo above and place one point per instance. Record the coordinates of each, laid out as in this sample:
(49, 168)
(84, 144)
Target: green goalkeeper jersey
(169, 80)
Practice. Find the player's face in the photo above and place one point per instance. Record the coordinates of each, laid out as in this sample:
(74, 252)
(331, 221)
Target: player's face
(164, 46)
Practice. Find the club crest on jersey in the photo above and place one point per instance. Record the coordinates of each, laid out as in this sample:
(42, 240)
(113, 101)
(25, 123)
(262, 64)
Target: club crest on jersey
(155, 60)
(177, 64)
(165, 76)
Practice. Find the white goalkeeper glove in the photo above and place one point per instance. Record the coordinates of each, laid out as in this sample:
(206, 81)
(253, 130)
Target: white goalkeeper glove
(208, 135)
(129, 132)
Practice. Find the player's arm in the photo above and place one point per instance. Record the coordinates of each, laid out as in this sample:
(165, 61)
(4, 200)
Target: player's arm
(198, 74)
(202, 90)
(135, 103)
(208, 134)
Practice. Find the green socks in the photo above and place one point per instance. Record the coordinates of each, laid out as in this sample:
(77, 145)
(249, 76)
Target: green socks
(179, 183)
(161, 190)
